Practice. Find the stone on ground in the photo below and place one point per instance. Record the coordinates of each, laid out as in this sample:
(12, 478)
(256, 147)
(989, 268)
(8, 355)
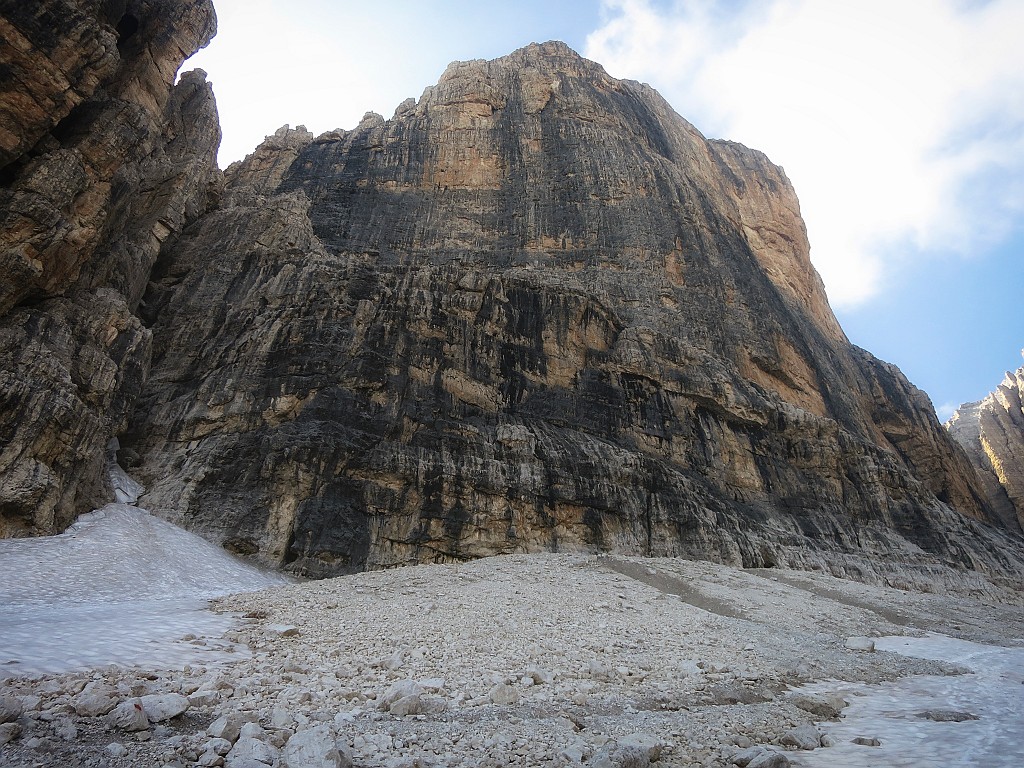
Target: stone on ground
(863, 644)
(164, 706)
(10, 709)
(803, 737)
(128, 716)
(315, 747)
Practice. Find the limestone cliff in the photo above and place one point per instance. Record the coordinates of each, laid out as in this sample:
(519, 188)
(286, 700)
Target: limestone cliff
(992, 433)
(102, 161)
(535, 309)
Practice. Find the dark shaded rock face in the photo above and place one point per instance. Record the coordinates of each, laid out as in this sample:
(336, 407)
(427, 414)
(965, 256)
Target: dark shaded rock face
(534, 310)
(102, 160)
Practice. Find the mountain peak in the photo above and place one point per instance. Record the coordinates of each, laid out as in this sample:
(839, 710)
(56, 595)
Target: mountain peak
(549, 57)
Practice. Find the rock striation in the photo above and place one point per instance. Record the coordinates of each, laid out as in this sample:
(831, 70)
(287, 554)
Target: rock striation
(534, 310)
(992, 433)
(103, 160)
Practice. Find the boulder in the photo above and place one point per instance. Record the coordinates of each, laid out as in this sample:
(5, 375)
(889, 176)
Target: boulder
(9, 732)
(128, 716)
(864, 644)
(249, 750)
(947, 715)
(634, 751)
(88, 704)
(743, 757)
(10, 709)
(229, 726)
(407, 705)
(164, 706)
(866, 741)
(116, 749)
(316, 747)
(769, 759)
(827, 706)
(217, 746)
(802, 737)
(402, 689)
(504, 694)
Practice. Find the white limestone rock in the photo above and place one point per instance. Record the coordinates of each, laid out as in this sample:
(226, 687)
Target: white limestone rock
(504, 695)
(248, 750)
(9, 732)
(128, 716)
(229, 726)
(160, 707)
(399, 690)
(769, 759)
(88, 704)
(863, 644)
(316, 747)
(116, 749)
(802, 737)
(10, 709)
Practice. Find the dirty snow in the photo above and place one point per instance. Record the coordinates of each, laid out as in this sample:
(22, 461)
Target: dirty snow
(119, 587)
(892, 712)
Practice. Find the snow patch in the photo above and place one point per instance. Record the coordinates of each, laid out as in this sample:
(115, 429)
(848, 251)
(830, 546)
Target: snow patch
(120, 586)
(893, 712)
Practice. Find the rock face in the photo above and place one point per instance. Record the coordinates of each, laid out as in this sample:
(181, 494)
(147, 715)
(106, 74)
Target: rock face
(535, 310)
(102, 161)
(992, 433)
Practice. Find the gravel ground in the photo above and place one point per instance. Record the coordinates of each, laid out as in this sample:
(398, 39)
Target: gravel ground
(529, 660)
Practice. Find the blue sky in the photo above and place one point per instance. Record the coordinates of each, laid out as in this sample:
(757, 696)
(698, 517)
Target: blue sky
(900, 124)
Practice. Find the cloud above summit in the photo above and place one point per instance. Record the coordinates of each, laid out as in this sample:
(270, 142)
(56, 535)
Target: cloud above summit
(901, 125)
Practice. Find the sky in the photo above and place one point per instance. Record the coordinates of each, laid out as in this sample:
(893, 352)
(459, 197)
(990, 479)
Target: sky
(900, 124)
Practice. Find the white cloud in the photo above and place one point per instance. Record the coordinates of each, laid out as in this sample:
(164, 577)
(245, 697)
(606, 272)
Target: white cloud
(311, 62)
(901, 124)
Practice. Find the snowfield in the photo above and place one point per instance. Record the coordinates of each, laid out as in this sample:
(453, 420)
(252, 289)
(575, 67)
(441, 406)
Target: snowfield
(915, 718)
(118, 587)
(528, 660)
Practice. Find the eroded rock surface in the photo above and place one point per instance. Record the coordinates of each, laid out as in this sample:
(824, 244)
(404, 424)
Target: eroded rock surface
(535, 310)
(102, 161)
(992, 433)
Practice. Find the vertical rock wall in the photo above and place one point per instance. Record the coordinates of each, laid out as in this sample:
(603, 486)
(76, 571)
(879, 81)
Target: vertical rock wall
(534, 310)
(103, 159)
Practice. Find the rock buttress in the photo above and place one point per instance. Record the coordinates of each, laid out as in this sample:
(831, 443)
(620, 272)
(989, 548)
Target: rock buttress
(102, 161)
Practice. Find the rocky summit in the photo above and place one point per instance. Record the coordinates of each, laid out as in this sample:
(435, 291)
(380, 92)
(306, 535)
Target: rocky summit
(535, 310)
